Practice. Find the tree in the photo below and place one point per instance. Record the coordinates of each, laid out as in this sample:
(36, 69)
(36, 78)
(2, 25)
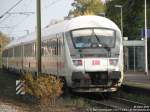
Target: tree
(133, 15)
(87, 7)
(3, 41)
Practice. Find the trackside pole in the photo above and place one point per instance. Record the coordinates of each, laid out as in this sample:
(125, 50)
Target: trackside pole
(146, 60)
(38, 31)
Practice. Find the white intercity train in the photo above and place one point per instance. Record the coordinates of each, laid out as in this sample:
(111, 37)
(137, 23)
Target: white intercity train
(85, 51)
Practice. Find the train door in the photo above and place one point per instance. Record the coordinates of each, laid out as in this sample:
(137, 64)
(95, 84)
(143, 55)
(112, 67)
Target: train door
(57, 54)
(60, 58)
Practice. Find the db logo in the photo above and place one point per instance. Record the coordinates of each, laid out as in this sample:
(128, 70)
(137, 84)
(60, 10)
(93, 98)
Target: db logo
(95, 62)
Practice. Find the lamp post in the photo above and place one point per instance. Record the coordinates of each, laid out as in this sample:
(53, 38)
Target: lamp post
(120, 6)
(145, 40)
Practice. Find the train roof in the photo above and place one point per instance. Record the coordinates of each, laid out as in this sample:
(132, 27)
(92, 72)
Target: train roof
(67, 25)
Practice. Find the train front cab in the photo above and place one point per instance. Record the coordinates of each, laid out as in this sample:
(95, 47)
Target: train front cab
(96, 59)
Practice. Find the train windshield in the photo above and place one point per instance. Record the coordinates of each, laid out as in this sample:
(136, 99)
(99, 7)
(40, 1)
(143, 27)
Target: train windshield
(92, 38)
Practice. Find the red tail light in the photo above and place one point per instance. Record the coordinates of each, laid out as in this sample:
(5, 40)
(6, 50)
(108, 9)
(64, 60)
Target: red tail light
(113, 62)
(77, 62)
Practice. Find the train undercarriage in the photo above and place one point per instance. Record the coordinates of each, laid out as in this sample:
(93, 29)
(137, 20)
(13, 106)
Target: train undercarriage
(96, 81)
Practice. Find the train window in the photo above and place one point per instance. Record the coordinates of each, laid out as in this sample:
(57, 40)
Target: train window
(60, 46)
(82, 38)
(17, 51)
(5, 53)
(54, 47)
(89, 38)
(42, 51)
(10, 52)
(44, 48)
(49, 48)
(34, 49)
(106, 37)
(28, 50)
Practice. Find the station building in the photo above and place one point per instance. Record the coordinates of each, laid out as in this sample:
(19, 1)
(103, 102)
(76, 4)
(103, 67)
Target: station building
(134, 55)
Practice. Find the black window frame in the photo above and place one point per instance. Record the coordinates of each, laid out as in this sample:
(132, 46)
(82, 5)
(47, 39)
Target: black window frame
(92, 28)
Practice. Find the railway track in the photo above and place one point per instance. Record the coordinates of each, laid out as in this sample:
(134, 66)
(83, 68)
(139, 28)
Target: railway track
(135, 90)
(115, 104)
(127, 102)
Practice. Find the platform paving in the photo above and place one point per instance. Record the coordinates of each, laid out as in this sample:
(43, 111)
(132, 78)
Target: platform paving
(137, 79)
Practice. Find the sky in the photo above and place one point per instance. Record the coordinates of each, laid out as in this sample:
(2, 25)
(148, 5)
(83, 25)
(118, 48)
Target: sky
(17, 25)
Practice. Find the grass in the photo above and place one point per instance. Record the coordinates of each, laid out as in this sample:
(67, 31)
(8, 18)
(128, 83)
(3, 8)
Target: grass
(8, 93)
(7, 84)
(47, 89)
(66, 104)
(74, 102)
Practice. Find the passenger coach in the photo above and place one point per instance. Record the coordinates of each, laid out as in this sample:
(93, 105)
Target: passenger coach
(85, 51)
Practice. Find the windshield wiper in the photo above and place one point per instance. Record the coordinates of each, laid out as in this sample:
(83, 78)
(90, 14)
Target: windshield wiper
(99, 42)
(102, 45)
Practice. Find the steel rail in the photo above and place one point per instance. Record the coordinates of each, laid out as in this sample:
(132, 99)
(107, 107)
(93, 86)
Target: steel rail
(122, 100)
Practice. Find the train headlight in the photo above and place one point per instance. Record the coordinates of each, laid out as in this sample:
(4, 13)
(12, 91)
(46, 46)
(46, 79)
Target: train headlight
(77, 62)
(113, 62)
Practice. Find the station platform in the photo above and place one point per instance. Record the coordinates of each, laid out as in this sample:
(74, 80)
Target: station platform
(137, 79)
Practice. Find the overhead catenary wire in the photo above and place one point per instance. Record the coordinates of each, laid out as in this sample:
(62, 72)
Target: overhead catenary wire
(10, 9)
(4, 19)
(5, 27)
(24, 13)
(9, 12)
(52, 3)
(13, 27)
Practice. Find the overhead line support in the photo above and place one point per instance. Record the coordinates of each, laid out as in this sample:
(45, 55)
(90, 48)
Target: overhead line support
(38, 32)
